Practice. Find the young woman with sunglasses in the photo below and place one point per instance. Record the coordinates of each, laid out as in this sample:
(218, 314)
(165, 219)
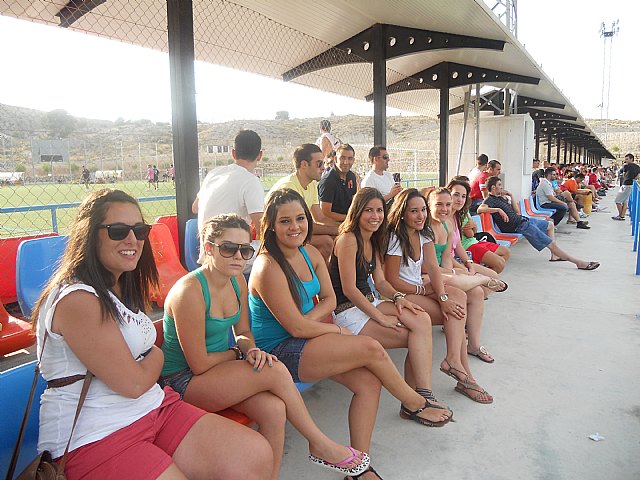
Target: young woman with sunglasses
(91, 318)
(439, 203)
(411, 251)
(199, 310)
(287, 276)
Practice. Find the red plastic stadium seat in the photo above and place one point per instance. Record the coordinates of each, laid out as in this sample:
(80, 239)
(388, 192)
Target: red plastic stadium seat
(171, 221)
(487, 226)
(15, 334)
(170, 270)
(8, 252)
(530, 212)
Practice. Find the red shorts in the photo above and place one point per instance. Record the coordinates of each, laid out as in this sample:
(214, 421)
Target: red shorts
(479, 249)
(142, 450)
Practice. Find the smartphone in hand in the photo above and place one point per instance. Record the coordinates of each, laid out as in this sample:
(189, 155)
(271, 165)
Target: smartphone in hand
(396, 177)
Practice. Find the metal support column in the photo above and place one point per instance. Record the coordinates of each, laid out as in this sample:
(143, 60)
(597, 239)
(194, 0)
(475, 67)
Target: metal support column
(183, 107)
(444, 131)
(558, 149)
(549, 146)
(537, 135)
(379, 86)
(564, 152)
(507, 102)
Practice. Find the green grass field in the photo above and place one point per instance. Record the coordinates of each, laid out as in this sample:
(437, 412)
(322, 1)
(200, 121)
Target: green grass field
(25, 223)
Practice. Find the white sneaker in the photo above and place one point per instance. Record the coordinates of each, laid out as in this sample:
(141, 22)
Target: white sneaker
(582, 215)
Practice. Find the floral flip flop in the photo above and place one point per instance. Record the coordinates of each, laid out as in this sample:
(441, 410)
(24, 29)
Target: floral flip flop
(341, 466)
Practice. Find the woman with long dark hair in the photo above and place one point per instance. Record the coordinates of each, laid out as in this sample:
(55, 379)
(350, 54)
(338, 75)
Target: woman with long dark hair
(291, 298)
(91, 318)
(411, 251)
(199, 310)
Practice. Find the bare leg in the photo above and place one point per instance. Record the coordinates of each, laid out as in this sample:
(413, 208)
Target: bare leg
(475, 315)
(215, 448)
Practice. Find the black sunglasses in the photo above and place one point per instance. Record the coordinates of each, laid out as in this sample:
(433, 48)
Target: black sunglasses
(120, 231)
(385, 156)
(229, 249)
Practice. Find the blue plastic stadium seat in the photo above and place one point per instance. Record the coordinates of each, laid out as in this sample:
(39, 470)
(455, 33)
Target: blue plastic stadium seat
(533, 201)
(36, 261)
(478, 221)
(15, 385)
(191, 244)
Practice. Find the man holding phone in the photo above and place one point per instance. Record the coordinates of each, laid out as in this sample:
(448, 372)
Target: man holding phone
(378, 177)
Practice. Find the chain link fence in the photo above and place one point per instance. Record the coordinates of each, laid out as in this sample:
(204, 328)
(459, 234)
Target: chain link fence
(44, 153)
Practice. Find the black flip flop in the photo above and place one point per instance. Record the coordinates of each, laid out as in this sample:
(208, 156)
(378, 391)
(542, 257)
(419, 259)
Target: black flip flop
(590, 266)
(558, 260)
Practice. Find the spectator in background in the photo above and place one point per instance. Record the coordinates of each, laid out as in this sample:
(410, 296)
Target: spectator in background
(308, 161)
(481, 165)
(328, 143)
(537, 231)
(378, 177)
(86, 177)
(630, 170)
(338, 185)
(156, 174)
(547, 198)
(234, 188)
(149, 176)
(536, 175)
(478, 184)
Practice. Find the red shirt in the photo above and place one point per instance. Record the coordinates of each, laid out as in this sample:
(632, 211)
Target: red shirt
(478, 184)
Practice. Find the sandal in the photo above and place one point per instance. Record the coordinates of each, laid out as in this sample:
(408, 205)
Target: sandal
(452, 372)
(482, 354)
(496, 285)
(413, 415)
(590, 266)
(369, 469)
(340, 466)
(474, 387)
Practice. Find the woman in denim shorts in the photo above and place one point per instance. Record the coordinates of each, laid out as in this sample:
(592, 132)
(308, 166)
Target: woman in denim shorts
(200, 366)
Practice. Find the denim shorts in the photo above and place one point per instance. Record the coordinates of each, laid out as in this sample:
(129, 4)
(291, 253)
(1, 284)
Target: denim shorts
(178, 381)
(289, 352)
(535, 230)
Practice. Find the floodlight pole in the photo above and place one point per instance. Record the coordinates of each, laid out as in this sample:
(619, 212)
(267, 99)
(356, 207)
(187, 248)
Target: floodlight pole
(607, 34)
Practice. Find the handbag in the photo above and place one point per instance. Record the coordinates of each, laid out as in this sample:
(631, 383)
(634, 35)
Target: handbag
(43, 467)
(485, 237)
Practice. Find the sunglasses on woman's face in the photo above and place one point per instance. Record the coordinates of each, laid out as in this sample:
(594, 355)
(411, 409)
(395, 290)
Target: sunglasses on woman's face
(120, 231)
(229, 249)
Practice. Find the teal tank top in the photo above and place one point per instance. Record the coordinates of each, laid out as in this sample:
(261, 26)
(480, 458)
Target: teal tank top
(440, 247)
(267, 331)
(216, 330)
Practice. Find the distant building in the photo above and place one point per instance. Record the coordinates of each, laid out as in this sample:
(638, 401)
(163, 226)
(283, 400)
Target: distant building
(50, 151)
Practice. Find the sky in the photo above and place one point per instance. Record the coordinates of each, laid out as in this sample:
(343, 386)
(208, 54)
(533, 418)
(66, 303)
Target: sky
(48, 68)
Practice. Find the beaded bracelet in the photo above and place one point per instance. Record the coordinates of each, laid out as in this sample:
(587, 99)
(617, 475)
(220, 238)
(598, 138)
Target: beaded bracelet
(238, 352)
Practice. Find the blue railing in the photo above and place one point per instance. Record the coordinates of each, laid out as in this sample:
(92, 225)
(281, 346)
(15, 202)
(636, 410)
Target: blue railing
(54, 208)
(634, 214)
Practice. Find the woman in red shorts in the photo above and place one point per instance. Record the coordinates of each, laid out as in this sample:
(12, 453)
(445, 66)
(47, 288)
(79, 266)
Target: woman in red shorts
(91, 318)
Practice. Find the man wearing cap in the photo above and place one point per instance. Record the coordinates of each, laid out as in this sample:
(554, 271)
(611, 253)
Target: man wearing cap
(328, 143)
(378, 177)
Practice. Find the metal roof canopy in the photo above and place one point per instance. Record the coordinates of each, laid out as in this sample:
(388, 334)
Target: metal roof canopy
(396, 26)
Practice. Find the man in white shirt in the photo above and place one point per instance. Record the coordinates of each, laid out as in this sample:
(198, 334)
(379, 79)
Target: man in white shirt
(328, 143)
(546, 198)
(481, 165)
(234, 188)
(378, 177)
(308, 161)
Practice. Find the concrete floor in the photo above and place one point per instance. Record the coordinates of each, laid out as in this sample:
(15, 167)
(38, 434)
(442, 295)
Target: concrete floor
(566, 344)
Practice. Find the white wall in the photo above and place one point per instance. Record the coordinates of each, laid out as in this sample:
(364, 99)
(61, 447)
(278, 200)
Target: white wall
(508, 139)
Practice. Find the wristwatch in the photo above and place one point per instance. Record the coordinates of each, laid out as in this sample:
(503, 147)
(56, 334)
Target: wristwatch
(444, 297)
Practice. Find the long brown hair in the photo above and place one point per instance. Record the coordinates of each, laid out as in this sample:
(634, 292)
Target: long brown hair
(462, 213)
(80, 263)
(352, 224)
(399, 228)
(269, 244)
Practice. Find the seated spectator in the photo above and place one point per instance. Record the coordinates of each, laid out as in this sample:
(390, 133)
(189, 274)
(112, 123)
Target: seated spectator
(491, 254)
(547, 198)
(539, 232)
(571, 185)
(338, 185)
(199, 310)
(307, 159)
(91, 317)
(410, 251)
(481, 166)
(286, 278)
(478, 184)
(378, 177)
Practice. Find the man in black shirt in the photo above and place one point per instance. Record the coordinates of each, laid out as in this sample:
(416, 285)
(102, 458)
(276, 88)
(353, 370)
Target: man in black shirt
(338, 185)
(630, 171)
(538, 231)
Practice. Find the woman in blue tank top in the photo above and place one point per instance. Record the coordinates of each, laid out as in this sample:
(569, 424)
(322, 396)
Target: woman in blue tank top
(199, 310)
(286, 276)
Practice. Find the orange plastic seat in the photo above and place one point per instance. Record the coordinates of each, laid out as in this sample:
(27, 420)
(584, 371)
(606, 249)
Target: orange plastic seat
(530, 212)
(170, 270)
(8, 253)
(171, 221)
(15, 334)
(487, 226)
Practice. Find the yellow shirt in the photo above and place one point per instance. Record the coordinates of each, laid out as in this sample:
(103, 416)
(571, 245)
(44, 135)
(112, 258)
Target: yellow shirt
(310, 194)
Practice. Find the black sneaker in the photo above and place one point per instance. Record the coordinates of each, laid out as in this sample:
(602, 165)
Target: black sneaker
(617, 217)
(583, 226)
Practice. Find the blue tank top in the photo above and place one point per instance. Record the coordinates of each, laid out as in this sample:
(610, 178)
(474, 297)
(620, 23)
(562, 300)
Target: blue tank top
(267, 331)
(216, 333)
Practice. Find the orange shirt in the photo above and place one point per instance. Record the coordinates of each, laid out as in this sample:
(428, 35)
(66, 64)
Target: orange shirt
(571, 185)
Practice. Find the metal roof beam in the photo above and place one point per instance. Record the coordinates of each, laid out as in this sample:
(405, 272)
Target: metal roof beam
(75, 10)
(451, 75)
(544, 123)
(543, 114)
(536, 102)
(399, 41)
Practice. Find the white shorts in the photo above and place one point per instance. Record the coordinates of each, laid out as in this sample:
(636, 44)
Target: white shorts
(353, 318)
(623, 194)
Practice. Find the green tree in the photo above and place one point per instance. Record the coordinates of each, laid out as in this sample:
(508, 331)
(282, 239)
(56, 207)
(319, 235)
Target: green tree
(615, 148)
(20, 167)
(59, 123)
(282, 115)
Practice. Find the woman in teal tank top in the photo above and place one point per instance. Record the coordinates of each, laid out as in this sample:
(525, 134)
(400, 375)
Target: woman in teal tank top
(285, 274)
(202, 368)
